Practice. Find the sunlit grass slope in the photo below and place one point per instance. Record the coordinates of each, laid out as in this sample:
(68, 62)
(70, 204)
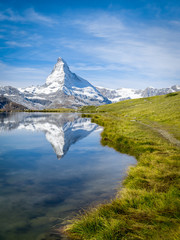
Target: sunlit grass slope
(148, 205)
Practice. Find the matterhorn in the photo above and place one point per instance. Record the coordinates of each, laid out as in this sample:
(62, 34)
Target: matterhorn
(62, 89)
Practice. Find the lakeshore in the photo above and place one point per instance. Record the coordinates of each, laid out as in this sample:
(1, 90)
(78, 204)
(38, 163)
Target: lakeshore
(148, 205)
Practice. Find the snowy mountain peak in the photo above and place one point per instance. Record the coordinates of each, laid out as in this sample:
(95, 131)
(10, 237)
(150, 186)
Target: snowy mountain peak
(62, 89)
(61, 63)
(61, 60)
(58, 73)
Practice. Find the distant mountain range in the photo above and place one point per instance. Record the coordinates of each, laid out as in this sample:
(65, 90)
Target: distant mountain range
(129, 93)
(65, 89)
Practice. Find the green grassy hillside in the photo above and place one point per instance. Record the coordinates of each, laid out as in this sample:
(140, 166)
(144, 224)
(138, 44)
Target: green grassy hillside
(148, 205)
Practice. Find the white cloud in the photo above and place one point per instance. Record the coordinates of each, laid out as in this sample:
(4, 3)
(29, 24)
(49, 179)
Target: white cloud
(101, 25)
(85, 67)
(32, 16)
(17, 44)
(150, 51)
(23, 39)
(175, 22)
(9, 15)
(29, 15)
(22, 76)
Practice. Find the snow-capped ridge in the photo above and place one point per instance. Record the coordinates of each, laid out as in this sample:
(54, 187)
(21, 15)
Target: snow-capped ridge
(120, 94)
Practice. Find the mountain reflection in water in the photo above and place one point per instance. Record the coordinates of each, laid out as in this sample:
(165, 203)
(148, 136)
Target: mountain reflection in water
(61, 130)
(38, 193)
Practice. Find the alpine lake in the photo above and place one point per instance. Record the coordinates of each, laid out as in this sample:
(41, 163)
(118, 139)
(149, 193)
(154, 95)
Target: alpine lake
(52, 167)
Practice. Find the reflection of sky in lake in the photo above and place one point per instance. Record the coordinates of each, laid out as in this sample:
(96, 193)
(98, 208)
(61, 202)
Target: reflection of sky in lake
(38, 191)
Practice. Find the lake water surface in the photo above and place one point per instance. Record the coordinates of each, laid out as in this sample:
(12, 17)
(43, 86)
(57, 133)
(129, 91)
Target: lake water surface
(52, 166)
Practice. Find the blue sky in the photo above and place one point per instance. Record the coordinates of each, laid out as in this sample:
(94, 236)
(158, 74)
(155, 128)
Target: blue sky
(118, 43)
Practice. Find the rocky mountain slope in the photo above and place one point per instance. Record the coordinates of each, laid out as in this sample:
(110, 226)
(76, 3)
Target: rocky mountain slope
(7, 105)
